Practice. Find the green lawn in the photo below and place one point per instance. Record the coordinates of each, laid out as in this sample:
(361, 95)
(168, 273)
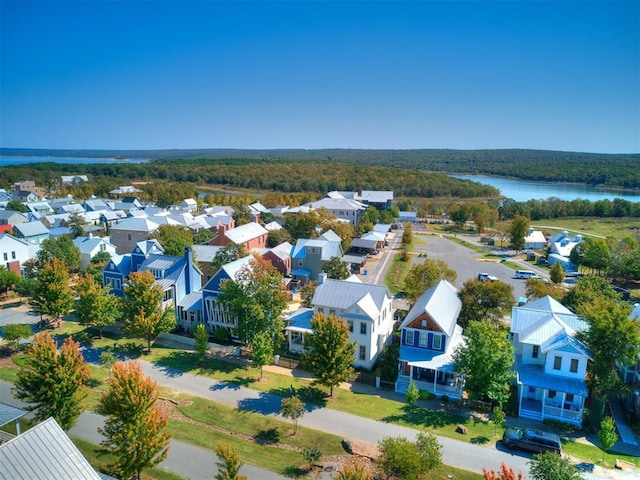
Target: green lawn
(607, 227)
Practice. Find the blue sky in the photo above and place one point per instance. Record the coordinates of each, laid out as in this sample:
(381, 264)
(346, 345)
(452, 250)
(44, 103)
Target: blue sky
(212, 74)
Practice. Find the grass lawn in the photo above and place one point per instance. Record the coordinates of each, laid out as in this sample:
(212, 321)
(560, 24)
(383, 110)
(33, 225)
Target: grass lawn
(607, 227)
(394, 279)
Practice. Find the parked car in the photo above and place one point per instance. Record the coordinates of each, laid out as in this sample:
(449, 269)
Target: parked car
(485, 277)
(532, 440)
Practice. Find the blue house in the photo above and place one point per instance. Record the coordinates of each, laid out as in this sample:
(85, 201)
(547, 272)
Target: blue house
(115, 272)
(430, 335)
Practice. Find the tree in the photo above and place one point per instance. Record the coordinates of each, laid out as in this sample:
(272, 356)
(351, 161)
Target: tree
(406, 460)
(607, 435)
(292, 408)
(612, 338)
(556, 274)
(202, 236)
(499, 417)
(276, 237)
(483, 299)
(229, 463)
(108, 360)
(143, 315)
(7, 279)
(227, 254)
(173, 238)
(14, 332)
(262, 349)
(407, 234)
(256, 299)
(16, 206)
(551, 466)
(336, 268)
(302, 225)
(135, 426)
(596, 254)
(77, 224)
(329, 352)
(307, 292)
(460, 214)
(61, 248)
(202, 339)
(585, 290)
(53, 380)
(96, 265)
(412, 394)
(518, 232)
(424, 276)
(388, 364)
(26, 287)
(536, 288)
(311, 455)
(95, 306)
(505, 473)
(485, 360)
(53, 296)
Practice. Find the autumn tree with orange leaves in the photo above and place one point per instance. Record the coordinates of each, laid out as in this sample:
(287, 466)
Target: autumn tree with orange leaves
(135, 426)
(505, 473)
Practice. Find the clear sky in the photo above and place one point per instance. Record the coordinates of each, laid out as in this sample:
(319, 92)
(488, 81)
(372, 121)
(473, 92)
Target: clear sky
(301, 74)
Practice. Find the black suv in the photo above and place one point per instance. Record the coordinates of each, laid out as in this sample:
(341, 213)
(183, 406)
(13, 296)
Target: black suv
(532, 440)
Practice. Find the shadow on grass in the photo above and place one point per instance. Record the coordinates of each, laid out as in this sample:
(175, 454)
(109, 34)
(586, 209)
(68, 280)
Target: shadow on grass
(295, 472)
(128, 350)
(425, 417)
(310, 395)
(265, 404)
(481, 440)
(268, 436)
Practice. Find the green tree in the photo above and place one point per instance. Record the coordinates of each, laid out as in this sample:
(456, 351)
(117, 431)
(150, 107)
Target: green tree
(424, 276)
(201, 336)
(485, 360)
(143, 315)
(518, 231)
(174, 239)
(53, 380)
(335, 268)
(499, 417)
(388, 365)
(135, 426)
(307, 292)
(7, 279)
(586, 289)
(460, 214)
(95, 306)
(276, 237)
(14, 332)
(96, 265)
(26, 287)
(612, 338)
(406, 460)
(77, 224)
(16, 206)
(262, 349)
(329, 352)
(203, 236)
(108, 360)
(407, 234)
(302, 225)
(607, 435)
(481, 300)
(536, 288)
(227, 254)
(412, 394)
(292, 408)
(596, 254)
(257, 299)
(229, 463)
(556, 274)
(551, 466)
(53, 296)
(61, 248)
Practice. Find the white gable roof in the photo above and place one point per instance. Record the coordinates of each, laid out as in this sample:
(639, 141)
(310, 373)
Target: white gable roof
(245, 233)
(441, 303)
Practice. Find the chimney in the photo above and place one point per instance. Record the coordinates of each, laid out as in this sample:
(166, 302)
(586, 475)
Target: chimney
(321, 278)
(189, 269)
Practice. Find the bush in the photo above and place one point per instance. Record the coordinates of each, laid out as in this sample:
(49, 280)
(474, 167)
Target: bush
(221, 335)
(444, 398)
(424, 395)
(559, 425)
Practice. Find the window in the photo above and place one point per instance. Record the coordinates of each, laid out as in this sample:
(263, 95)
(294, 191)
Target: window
(103, 247)
(363, 352)
(363, 328)
(574, 365)
(168, 295)
(532, 389)
(569, 397)
(408, 337)
(557, 363)
(536, 351)
(423, 339)
(437, 342)
(350, 326)
(552, 394)
(129, 236)
(5, 256)
(13, 255)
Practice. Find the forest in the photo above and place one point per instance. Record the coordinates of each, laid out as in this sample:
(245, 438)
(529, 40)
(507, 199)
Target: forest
(610, 170)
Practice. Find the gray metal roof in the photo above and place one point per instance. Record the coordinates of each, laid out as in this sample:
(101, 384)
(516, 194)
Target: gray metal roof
(342, 294)
(9, 414)
(44, 452)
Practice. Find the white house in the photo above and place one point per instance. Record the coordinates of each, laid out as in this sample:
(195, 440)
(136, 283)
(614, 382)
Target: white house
(189, 205)
(366, 309)
(563, 243)
(14, 250)
(551, 363)
(535, 240)
(90, 246)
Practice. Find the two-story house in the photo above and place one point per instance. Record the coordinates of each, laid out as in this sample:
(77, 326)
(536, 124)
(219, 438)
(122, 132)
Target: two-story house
(429, 336)
(365, 308)
(343, 208)
(128, 232)
(280, 257)
(15, 251)
(308, 255)
(90, 246)
(551, 363)
(250, 235)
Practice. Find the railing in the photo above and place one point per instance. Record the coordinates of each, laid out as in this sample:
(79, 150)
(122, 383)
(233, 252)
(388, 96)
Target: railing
(562, 413)
(439, 388)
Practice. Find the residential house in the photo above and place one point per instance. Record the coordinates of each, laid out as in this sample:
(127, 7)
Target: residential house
(15, 251)
(32, 232)
(257, 211)
(308, 255)
(189, 205)
(535, 240)
(96, 205)
(28, 186)
(280, 258)
(25, 196)
(429, 336)
(563, 243)
(115, 273)
(565, 262)
(71, 180)
(205, 254)
(125, 190)
(42, 208)
(376, 198)
(407, 217)
(128, 232)
(343, 208)
(551, 363)
(215, 314)
(365, 308)
(250, 236)
(90, 246)
(8, 217)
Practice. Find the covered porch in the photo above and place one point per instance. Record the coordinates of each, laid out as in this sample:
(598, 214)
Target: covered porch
(435, 374)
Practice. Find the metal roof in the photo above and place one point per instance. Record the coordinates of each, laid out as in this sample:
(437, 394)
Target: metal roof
(441, 303)
(44, 452)
(8, 413)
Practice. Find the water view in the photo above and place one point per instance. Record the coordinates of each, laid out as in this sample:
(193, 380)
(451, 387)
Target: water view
(523, 190)
(6, 160)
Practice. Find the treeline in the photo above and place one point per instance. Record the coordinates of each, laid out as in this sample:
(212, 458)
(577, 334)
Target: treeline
(274, 175)
(557, 208)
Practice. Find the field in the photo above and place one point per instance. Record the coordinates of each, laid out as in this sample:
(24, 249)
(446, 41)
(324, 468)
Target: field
(606, 227)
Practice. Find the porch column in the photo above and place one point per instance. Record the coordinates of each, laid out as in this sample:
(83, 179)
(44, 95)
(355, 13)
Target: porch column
(544, 401)
(562, 405)
(520, 395)
(435, 377)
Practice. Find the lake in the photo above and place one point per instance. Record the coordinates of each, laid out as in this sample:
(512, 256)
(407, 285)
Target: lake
(523, 190)
(6, 160)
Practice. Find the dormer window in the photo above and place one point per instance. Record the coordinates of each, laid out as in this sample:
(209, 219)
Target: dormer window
(424, 323)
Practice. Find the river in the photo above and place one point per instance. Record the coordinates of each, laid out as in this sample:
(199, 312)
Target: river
(523, 190)
(6, 160)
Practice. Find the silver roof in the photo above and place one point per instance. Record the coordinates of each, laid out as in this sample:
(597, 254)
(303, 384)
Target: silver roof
(9, 414)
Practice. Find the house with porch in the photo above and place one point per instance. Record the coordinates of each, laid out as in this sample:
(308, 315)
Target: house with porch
(429, 336)
(551, 363)
(365, 308)
(309, 254)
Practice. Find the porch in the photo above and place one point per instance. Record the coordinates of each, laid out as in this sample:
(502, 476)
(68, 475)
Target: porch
(536, 410)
